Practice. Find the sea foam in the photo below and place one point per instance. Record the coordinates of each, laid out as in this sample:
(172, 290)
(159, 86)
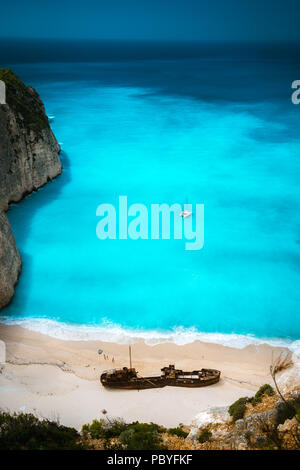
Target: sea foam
(109, 332)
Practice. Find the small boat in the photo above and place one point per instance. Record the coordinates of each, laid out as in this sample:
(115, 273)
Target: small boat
(184, 214)
(51, 118)
(127, 378)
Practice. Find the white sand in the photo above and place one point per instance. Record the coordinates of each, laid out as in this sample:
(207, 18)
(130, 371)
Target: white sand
(60, 379)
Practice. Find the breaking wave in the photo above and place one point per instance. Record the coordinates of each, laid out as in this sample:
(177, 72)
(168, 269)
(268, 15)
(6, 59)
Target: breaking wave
(109, 332)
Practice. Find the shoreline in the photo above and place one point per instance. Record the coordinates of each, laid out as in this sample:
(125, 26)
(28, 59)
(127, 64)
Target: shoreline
(113, 333)
(60, 378)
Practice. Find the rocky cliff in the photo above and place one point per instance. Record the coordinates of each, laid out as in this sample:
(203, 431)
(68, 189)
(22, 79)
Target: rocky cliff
(29, 158)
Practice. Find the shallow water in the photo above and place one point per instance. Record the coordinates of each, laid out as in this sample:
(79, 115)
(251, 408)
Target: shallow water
(237, 153)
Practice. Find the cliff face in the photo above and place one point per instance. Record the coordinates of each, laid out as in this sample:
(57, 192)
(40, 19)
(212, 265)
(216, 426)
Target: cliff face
(10, 262)
(28, 160)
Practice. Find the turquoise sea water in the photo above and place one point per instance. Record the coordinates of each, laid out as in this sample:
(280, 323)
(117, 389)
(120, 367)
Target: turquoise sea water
(238, 156)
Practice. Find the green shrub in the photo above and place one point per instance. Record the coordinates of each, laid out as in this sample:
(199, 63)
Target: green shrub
(104, 429)
(25, 101)
(134, 436)
(264, 390)
(178, 432)
(287, 410)
(26, 432)
(238, 408)
(142, 436)
(204, 436)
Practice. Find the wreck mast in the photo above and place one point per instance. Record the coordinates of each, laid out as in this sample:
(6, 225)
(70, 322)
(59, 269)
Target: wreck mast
(130, 361)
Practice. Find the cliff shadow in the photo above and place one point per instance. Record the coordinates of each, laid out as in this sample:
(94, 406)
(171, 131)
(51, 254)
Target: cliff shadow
(24, 211)
(20, 216)
(19, 300)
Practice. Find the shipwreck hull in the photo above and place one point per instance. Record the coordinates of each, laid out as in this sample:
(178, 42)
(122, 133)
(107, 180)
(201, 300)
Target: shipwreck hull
(134, 385)
(143, 383)
(192, 383)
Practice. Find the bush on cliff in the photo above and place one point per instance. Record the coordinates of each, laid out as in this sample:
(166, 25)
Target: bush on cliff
(134, 436)
(26, 432)
(204, 436)
(238, 408)
(263, 390)
(142, 436)
(287, 410)
(104, 429)
(179, 432)
(24, 100)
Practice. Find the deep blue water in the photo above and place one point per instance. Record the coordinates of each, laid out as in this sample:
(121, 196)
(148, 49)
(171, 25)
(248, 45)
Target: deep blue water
(205, 124)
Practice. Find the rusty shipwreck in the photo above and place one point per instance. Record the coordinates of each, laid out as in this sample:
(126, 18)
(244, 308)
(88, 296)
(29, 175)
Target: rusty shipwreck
(128, 378)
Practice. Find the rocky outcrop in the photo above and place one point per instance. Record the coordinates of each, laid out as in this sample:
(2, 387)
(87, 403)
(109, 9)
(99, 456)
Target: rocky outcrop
(29, 158)
(213, 416)
(289, 379)
(251, 430)
(10, 262)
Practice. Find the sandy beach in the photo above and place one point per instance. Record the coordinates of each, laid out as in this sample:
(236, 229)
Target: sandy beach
(60, 379)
